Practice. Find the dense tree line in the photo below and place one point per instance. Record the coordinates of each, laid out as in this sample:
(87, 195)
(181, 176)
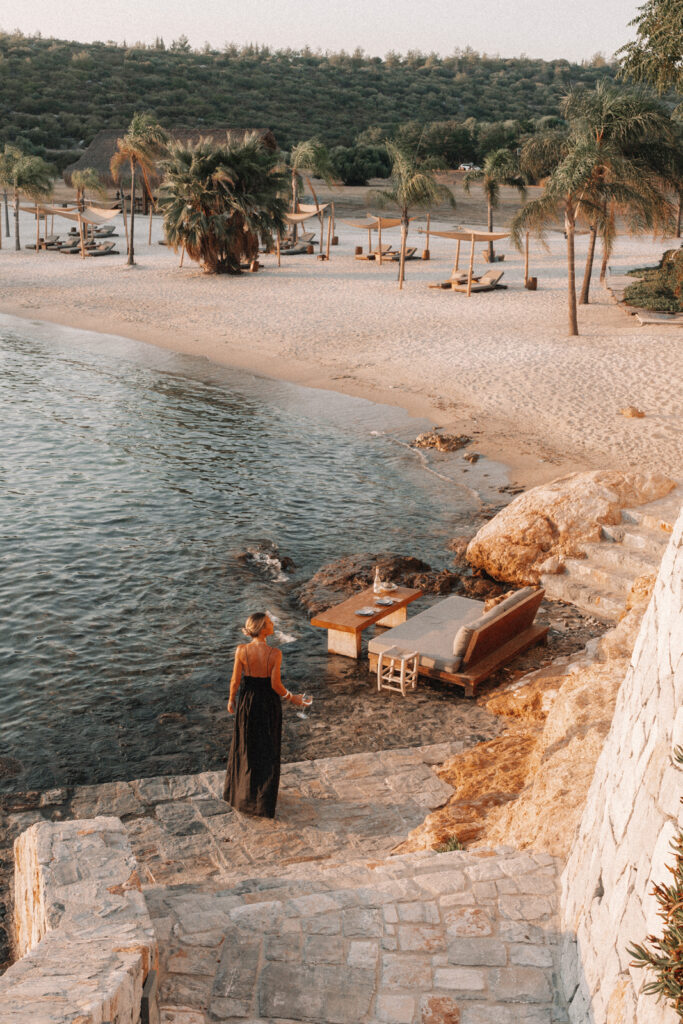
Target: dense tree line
(55, 94)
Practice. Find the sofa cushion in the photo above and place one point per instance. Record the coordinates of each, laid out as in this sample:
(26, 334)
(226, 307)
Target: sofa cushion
(431, 632)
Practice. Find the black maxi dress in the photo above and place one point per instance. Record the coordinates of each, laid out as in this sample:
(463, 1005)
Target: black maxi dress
(253, 775)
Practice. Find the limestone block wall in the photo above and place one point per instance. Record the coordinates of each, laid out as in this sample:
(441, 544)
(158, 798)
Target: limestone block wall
(83, 930)
(632, 812)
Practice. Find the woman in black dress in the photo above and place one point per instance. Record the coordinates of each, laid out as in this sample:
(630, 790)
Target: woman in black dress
(253, 775)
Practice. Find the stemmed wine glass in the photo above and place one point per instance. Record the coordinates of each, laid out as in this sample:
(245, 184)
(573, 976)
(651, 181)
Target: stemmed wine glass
(308, 700)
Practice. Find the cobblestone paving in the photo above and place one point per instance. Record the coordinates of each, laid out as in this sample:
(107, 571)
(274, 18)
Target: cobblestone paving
(309, 918)
(341, 808)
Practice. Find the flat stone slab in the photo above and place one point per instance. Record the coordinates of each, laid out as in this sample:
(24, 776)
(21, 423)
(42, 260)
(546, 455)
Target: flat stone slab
(181, 831)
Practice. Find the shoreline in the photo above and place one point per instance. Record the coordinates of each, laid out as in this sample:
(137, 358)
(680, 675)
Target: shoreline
(498, 367)
(525, 470)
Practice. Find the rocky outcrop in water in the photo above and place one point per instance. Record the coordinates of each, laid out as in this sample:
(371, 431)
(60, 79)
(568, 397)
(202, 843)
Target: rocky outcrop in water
(442, 442)
(338, 580)
(556, 519)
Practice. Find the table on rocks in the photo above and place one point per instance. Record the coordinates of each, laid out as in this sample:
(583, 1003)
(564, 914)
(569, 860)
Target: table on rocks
(344, 625)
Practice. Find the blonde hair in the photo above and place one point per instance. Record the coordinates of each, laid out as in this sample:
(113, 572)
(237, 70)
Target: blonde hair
(254, 624)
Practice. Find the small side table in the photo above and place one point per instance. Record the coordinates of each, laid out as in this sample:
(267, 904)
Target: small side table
(397, 670)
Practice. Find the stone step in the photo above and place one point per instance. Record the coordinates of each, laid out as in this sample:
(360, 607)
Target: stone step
(658, 515)
(623, 559)
(403, 941)
(599, 578)
(650, 543)
(601, 604)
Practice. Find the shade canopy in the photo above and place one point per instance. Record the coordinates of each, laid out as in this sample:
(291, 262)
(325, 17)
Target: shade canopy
(90, 215)
(372, 223)
(469, 236)
(305, 212)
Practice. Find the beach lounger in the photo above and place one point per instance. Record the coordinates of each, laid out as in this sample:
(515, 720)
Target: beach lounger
(458, 643)
(396, 256)
(297, 250)
(387, 253)
(456, 278)
(488, 282)
(105, 232)
(103, 250)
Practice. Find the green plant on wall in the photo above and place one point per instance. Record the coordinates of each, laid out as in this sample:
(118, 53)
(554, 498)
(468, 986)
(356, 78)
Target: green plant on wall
(663, 955)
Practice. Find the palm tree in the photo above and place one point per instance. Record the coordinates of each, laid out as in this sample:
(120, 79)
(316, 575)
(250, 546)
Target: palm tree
(307, 159)
(412, 184)
(87, 180)
(501, 167)
(634, 128)
(220, 202)
(8, 158)
(25, 174)
(583, 185)
(141, 146)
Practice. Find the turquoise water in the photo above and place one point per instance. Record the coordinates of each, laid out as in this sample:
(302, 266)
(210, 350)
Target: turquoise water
(133, 482)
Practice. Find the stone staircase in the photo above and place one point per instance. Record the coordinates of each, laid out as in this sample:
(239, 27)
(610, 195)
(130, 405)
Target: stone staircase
(309, 918)
(600, 583)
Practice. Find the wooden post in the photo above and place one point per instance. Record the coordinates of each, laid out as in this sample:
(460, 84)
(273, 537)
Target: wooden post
(379, 242)
(182, 256)
(149, 239)
(329, 235)
(457, 256)
(469, 275)
(526, 259)
(80, 235)
(369, 241)
(425, 252)
(278, 248)
(37, 228)
(334, 226)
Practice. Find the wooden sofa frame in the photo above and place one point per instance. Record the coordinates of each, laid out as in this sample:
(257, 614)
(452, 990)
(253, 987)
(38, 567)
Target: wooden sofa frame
(492, 646)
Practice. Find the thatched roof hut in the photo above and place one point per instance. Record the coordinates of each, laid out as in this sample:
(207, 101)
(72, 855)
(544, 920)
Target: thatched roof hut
(100, 151)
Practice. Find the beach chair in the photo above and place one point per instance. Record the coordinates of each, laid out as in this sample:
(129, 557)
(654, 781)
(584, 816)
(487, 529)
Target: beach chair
(396, 256)
(488, 282)
(105, 232)
(457, 277)
(387, 253)
(107, 249)
(457, 642)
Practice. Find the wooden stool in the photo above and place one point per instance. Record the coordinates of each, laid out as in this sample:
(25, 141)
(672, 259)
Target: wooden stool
(397, 670)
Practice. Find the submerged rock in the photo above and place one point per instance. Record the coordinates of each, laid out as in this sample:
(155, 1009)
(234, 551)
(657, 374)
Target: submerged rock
(557, 519)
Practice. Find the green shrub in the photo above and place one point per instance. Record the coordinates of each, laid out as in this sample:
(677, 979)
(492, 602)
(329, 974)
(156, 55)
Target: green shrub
(660, 289)
(451, 844)
(664, 956)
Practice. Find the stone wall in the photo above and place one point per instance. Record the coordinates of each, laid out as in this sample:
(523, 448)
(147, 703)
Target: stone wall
(633, 809)
(82, 927)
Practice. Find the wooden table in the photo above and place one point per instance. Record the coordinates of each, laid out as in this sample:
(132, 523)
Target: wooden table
(344, 627)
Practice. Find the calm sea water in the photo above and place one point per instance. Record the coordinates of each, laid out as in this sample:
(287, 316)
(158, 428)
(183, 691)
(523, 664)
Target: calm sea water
(133, 481)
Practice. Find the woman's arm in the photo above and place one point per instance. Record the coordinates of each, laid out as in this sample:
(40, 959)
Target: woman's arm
(276, 682)
(236, 678)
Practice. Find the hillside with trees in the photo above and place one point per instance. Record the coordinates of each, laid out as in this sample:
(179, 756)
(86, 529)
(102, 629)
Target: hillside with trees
(55, 95)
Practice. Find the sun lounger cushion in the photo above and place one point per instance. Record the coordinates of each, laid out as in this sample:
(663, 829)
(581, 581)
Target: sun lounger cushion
(431, 632)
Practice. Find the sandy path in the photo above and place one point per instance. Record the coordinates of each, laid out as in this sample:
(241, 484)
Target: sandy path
(499, 363)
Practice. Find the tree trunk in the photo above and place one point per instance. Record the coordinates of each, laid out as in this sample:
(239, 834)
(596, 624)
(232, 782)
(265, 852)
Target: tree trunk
(131, 250)
(402, 261)
(6, 214)
(585, 287)
(17, 243)
(489, 226)
(295, 206)
(679, 219)
(571, 271)
(603, 265)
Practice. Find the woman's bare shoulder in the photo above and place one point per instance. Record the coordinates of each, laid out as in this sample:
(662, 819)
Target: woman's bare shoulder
(277, 654)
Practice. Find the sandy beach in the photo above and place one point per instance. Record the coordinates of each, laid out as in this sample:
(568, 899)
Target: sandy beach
(498, 366)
